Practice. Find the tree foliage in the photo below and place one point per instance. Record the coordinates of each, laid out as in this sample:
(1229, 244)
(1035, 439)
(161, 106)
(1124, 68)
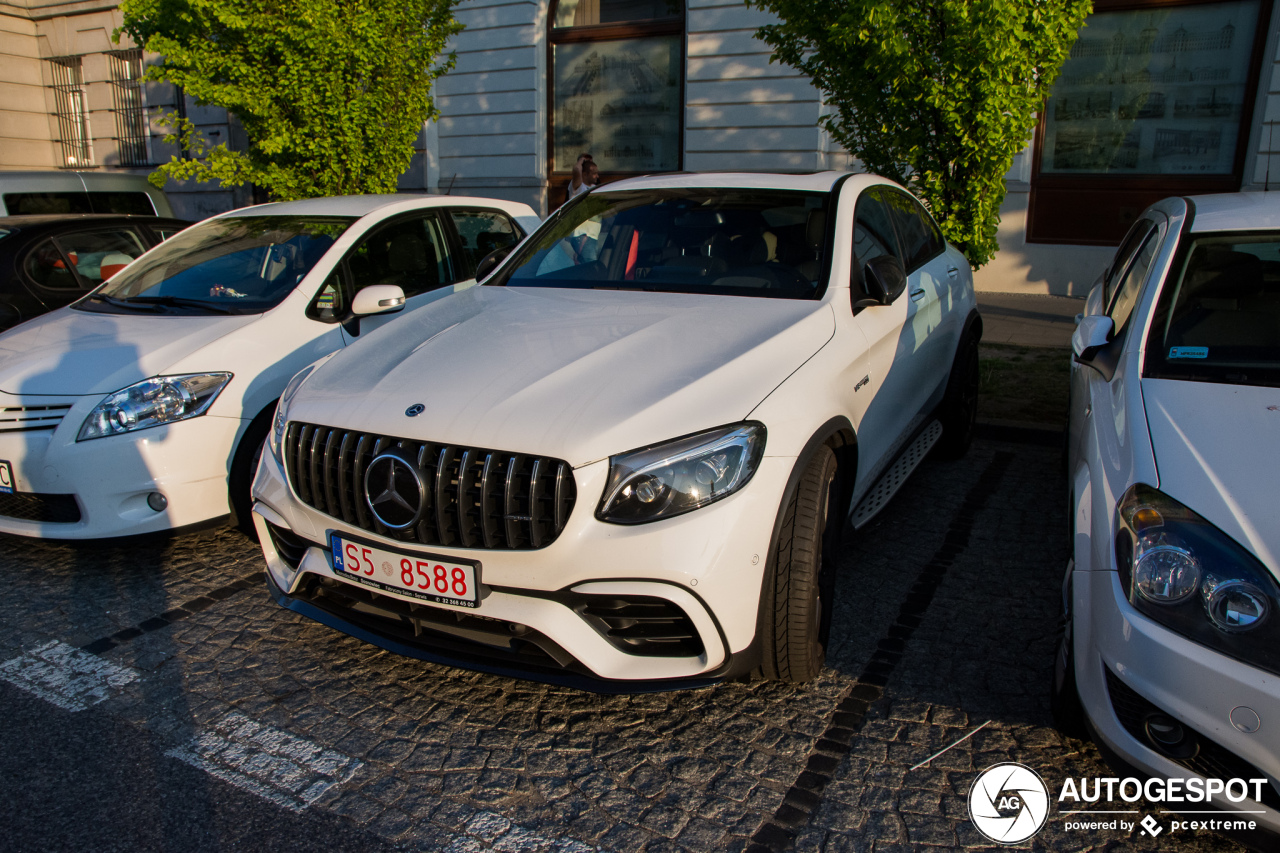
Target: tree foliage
(331, 93)
(939, 95)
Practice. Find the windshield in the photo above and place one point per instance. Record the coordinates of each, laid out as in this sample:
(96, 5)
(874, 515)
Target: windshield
(238, 265)
(1220, 321)
(737, 242)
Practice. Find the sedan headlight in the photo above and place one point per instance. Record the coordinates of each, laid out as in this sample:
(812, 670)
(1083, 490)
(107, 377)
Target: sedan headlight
(153, 402)
(1191, 577)
(681, 475)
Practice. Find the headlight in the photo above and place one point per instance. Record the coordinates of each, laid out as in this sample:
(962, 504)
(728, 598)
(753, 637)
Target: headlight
(152, 402)
(1167, 554)
(282, 407)
(680, 475)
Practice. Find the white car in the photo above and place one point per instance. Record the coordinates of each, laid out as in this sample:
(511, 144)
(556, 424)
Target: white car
(1173, 609)
(142, 407)
(626, 458)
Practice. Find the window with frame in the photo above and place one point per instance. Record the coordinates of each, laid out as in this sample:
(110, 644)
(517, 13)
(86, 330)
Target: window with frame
(71, 112)
(1155, 100)
(616, 87)
(130, 110)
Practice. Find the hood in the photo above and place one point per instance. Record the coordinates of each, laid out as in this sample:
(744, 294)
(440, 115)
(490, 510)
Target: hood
(575, 374)
(74, 353)
(1215, 452)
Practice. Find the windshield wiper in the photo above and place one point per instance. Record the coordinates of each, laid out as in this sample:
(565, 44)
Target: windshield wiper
(121, 303)
(177, 302)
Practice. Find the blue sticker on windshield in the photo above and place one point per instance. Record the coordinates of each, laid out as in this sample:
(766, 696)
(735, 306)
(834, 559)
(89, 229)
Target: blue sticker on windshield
(1188, 352)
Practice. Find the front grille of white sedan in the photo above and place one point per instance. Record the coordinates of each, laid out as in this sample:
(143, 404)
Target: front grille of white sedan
(30, 418)
(470, 497)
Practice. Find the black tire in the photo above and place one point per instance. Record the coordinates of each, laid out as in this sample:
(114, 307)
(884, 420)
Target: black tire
(959, 411)
(243, 466)
(795, 622)
(1064, 699)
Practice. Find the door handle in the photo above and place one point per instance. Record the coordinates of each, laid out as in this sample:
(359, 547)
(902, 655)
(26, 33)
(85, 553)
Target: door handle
(953, 271)
(917, 295)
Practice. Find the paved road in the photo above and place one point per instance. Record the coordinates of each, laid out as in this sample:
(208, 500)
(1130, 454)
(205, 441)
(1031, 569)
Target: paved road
(155, 699)
(1028, 319)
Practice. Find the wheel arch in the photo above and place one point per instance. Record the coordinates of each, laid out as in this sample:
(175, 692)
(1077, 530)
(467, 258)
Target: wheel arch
(838, 434)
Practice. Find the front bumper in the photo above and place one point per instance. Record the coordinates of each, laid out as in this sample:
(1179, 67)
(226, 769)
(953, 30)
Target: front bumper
(64, 489)
(707, 566)
(1128, 666)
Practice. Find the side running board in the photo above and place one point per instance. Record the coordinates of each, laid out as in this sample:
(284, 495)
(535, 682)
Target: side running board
(892, 479)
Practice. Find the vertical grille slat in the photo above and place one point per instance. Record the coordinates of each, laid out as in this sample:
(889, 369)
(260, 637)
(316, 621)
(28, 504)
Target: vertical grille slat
(313, 468)
(331, 446)
(560, 495)
(345, 494)
(473, 497)
(464, 505)
(509, 509)
(535, 487)
(442, 494)
(303, 481)
(487, 527)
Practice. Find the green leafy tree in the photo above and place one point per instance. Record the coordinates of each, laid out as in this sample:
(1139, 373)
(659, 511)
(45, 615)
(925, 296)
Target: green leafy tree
(331, 93)
(939, 95)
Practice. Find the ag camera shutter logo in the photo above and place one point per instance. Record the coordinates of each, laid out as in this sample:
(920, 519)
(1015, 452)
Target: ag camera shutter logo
(1008, 803)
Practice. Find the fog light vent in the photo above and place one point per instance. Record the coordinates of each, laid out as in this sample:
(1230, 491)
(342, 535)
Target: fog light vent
(642, 625)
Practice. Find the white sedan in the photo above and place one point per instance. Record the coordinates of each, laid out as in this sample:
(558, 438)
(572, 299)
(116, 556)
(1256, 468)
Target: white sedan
(144, 406)
(626, 459)
(1173, 609)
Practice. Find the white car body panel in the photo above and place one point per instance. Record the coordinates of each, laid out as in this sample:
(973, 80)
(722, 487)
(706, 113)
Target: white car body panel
(1208, 446)
(581, 375)
(82, 356)
(1226, 471)
(577, 375)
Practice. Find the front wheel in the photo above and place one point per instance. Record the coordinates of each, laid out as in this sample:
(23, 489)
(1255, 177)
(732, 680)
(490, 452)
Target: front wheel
(797, 591)
(244, 465)
(1064, 697)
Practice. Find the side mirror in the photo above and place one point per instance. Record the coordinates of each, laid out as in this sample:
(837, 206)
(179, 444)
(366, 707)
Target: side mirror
(377, 299)
(490, 262)
(884, 279)
(1092, 334)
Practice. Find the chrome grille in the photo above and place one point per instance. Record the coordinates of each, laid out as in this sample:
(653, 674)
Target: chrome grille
(27, 418)
(475, 498)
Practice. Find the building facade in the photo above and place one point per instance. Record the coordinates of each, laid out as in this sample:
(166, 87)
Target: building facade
(1160, 97)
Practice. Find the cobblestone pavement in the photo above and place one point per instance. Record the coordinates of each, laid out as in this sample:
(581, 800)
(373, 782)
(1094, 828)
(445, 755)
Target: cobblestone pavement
(944, 623)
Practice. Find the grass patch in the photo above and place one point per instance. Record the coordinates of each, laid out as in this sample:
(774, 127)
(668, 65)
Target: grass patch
(1029, 384)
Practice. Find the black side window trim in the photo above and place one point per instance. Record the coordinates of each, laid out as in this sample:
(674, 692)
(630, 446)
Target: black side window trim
(455, 238)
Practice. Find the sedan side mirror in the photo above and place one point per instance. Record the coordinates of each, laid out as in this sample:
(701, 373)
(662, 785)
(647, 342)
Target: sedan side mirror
(490, 262)
(1091, 334)
(883, 279)
(377, 299)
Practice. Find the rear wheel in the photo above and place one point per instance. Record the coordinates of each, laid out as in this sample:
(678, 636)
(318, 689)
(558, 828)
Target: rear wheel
(959, 412)
(798, 590)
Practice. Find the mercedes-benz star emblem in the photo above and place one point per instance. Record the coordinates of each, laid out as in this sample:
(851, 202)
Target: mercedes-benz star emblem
(415, 410)
(394, 491)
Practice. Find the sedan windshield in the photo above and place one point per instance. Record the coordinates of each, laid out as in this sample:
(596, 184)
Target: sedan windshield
(737, 242)
(1219, 318)
(238, 265)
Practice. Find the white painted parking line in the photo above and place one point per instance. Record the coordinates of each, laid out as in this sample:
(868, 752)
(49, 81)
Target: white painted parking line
(287, 770)
(66, 676)
(495, 832)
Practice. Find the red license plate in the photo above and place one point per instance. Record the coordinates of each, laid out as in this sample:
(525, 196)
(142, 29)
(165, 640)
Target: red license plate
(426, 577)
